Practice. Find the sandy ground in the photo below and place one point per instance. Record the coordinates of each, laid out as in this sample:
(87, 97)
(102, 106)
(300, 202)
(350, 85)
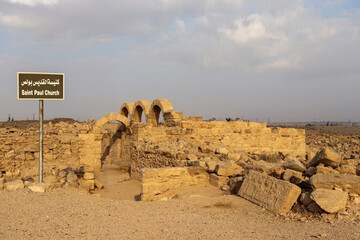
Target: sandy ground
(198, 213)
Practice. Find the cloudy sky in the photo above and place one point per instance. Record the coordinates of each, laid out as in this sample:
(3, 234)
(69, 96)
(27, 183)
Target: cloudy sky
(287, 60)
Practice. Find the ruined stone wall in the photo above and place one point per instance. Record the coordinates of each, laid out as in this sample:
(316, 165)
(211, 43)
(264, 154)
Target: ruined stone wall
(155, 147)
(64, 145)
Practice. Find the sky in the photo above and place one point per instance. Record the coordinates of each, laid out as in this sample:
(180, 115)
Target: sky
(281, 60)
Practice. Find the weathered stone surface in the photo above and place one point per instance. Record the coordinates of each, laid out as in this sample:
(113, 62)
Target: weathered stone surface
(160, 183)
(347, 182)
(14, 185)
(37, 187)
(89, 176)
(211, 166)
(326, 157)
(50, 179)
(228, 168)
(322, 169)
(294, 165)
(222, 150)
(331, 201)
(98, 184)
(290, 173)
(71, 177)
(217, 181)
(343, 169)
(273, 194)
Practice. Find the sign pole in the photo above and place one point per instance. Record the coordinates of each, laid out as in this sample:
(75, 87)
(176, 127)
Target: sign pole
(41, 136)
(40, 86)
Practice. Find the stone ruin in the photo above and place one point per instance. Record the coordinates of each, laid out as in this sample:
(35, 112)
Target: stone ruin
(167, 151)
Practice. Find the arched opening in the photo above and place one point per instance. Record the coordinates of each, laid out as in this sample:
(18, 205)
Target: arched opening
(156, 116)
(138, 114)
(124, 112)
(112, 127)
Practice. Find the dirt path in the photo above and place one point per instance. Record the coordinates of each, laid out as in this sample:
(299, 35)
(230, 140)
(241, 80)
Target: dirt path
(117, 184)
(68, 214)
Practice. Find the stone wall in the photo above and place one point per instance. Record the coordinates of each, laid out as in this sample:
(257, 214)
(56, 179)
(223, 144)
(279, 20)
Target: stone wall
(64, 145)
(196, 140)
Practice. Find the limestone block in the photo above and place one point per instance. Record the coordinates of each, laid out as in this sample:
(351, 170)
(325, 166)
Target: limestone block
(14, 185)
(71, 177)
(211, 165)
(234, 156)
(347, 169)
(37, 187)
(294, 165)
(217, 181)
(228, 168)
(347, 182)
(273, 194)
(222, 150)
(322, 169)
(290, 173)
(160, 183)
(98, 184)
(331, 201)
(89, 176)
(326, 157)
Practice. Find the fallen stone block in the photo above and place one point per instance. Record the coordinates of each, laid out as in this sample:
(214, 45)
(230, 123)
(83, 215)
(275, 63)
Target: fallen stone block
(347, 182)
(322, 169)
(228, 168)
(160, 183)
(37, 187)
(14, 185)
(291, 173)
(295, 165)
(88, 176)
(275, 195)
(98, 184)
(331, 201)
(343, 169)
(217, 181)
(326, 157)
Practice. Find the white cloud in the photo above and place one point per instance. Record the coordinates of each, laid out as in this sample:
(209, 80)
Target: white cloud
(246, 30)
(35, 2)
(14, 21)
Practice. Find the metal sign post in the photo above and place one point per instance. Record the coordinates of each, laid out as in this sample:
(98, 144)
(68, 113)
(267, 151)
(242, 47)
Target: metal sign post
(41, 86)
(41, 137)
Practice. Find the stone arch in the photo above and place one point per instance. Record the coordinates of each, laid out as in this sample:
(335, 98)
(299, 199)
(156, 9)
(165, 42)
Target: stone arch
(127, 109)
(140, 107)
(159, 105)
(111, 117)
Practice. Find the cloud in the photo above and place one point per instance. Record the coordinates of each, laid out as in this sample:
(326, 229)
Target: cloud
(34, 2)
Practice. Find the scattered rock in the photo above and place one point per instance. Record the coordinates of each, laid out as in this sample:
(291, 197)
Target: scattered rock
(326, 157)
(14, 185)
(290, 173)
(331, 201)
(98, 184)
(228, 168)
(217, 181)
(294, 165)
(347, 182)
(89, 176)
(37, 187)
(273, 194)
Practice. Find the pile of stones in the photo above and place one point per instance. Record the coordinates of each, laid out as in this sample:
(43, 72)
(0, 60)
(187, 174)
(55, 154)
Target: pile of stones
(82, 178)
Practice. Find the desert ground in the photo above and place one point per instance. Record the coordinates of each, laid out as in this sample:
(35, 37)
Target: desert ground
(202, 212)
